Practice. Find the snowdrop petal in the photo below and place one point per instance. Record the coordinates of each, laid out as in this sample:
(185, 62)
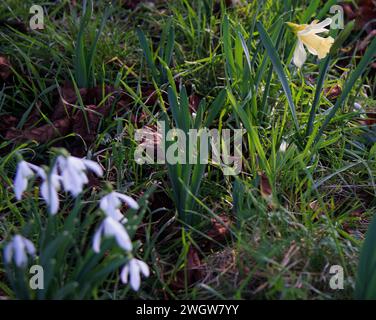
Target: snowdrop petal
(30, 248)
(124, 274)
(109, 202)
(93, 166)
(24, 172)
(76, 164)
(20, 185)
(116, 229)
(61, 162)
(73, 181)
(97, 240)
(49, 193)
(283, 147)
(118, 216)
(19, 251)
(143, 267)
(135, 278)
(128, 200)
(358, 107)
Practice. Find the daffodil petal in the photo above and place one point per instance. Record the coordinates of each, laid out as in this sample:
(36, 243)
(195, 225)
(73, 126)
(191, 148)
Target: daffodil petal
(317, 45)
(300, 55)
(316, 28)
(322, 24)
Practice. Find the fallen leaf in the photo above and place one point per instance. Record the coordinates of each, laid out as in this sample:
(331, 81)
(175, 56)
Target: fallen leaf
(7, 121)
(70, 116)
(192, 273)
(265, 187)
(41, 134)
(220, 228)
(194, 101)
(333, 92)
(5, 68)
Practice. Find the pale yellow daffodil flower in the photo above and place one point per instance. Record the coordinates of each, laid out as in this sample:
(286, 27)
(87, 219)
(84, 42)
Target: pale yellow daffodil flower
(307, 36)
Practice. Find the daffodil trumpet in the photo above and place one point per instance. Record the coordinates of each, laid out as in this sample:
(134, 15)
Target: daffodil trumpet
(307, 36)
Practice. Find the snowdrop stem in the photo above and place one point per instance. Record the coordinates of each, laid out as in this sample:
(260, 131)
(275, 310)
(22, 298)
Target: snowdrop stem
(49, 181)
(60, 152)
(18, 157)
(108, 188)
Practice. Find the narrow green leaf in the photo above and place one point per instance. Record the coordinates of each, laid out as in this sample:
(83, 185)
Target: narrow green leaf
(323, 70)
(148, 54)
(215, 108)
(312, 8)
(273, 55)
(366, 277)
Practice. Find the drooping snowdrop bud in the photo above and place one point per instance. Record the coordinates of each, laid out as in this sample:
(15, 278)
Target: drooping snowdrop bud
(133, 271)
(25, 171)
(73, 173)
(283, 147)
(111, 203)
(358, 107)
(18, 249)
(112, 228)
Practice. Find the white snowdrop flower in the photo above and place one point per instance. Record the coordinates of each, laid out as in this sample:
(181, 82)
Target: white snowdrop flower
(358, 107)
(133, 271)
(283, 147)
(73, 173)
(307, 36)
(111, 203)
(25, 171)
(112, 228)
(18, 249)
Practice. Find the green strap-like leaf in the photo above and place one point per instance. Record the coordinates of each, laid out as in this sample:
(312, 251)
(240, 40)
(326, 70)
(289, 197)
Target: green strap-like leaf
(273, 55)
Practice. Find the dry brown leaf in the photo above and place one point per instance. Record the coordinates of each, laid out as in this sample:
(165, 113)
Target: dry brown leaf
(41, 134)
(194, 101)
(5, 68)
(265, 187)
(220, 228)
(7, 121)
(193, 270)
(333, 92)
